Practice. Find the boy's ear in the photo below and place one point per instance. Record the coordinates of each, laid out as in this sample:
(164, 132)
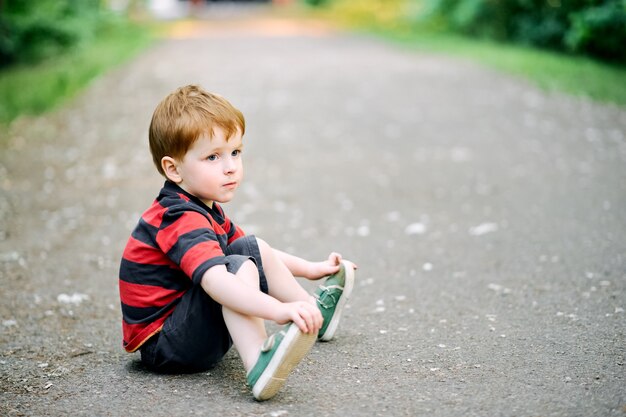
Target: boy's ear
(170, 169)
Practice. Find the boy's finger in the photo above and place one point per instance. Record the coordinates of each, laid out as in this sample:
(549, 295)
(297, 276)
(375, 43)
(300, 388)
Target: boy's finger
(308, 318)
(313, 316)
(302, 325)
(319, 321)
(316, 319)
(300, 321)
(315, 323)
(334, 258)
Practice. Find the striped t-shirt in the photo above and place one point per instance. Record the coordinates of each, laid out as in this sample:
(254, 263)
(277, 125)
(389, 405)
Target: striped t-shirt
(175, 242)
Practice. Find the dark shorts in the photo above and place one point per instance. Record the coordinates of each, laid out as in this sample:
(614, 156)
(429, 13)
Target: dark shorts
(194, 338)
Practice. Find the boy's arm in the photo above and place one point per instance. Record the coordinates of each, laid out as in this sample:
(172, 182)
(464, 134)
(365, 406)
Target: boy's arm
(233, 293)
(311, 270)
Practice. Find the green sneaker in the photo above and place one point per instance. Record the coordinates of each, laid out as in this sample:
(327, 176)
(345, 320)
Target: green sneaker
(332, 297)
(280, 353)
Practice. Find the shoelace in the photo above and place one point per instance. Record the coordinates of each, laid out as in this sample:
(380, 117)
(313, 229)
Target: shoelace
(268, 344)
(328, 299)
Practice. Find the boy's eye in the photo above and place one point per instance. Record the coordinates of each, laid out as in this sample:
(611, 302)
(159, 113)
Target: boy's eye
(211, 157)
(236, 152)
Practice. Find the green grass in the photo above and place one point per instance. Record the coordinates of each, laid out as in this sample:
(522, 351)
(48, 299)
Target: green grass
(34, 89)
(551, 71)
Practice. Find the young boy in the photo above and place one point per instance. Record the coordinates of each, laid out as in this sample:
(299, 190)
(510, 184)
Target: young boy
(192, 284)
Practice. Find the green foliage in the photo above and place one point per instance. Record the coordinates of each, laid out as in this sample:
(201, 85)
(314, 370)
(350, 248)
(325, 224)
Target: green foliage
(599, 31)
(551, 71)
(35, 88)
(594, 27)
(417, 24)
(32, 30)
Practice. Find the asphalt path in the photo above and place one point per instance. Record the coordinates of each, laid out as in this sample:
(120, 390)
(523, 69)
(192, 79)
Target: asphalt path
(487, 218)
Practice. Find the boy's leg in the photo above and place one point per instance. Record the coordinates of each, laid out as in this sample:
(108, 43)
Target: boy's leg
(330, 297)
(275, 279)
(268, 361)
(248, 333)
(195, 336)
(282, 284)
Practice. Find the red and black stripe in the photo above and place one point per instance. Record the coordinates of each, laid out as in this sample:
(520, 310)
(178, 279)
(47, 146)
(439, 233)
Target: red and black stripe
(174, 243)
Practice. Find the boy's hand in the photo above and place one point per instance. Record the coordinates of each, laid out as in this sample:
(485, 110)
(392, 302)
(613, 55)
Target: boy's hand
(322, 269)
(306, 315)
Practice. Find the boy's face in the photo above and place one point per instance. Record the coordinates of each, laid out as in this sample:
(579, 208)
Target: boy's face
(212, 168)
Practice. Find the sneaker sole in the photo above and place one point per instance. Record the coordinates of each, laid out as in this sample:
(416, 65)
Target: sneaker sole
(294, 346)
(345, 296)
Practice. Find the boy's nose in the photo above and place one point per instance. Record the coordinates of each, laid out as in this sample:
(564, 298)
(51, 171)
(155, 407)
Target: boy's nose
(229, 165)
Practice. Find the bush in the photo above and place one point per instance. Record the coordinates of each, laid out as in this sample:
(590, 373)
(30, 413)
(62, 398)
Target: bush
(37, 29)
(33, 89)
(599, 31)
(594, 27)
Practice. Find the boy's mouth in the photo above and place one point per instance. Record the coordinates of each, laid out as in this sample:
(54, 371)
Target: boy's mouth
(232, 184)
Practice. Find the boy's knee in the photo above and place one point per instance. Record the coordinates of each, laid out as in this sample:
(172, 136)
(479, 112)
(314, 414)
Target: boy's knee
(264, 247)
(248, 267)
(249, 272)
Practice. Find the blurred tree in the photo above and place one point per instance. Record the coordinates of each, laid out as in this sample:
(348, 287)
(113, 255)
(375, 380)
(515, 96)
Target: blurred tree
(599, 31)
(32, 30)
(594, 27)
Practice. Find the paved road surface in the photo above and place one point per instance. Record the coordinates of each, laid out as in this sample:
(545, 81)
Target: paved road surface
(487, 218)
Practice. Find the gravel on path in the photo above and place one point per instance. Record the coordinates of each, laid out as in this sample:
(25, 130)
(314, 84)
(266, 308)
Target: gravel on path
(487, 218)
